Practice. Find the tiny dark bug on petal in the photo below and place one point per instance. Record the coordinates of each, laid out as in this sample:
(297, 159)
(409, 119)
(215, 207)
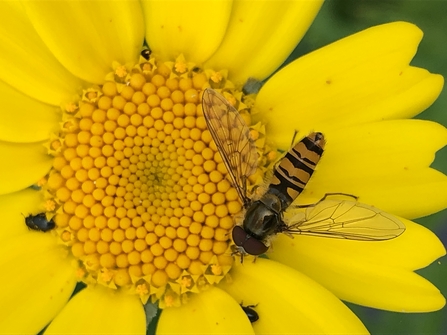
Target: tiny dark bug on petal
(146, 53)
(252, 315)
(39, 222)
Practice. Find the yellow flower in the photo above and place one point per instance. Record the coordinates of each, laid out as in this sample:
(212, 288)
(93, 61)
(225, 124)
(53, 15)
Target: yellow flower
(113, 147)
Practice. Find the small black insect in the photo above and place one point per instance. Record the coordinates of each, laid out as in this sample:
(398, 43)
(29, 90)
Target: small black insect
(252, 315)
(39, 222)
(146, 53)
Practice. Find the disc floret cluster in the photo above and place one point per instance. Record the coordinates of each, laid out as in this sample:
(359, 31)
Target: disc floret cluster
(139, 192)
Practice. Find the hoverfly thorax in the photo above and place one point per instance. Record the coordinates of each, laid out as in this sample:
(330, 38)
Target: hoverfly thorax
(262, 219)
(263, 216)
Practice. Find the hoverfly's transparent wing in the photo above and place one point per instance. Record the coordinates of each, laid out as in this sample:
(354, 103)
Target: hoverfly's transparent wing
(348, 220)
(232, 138)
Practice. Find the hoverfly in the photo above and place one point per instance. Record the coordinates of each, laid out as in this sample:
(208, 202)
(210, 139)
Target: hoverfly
(265, 217)
(39, 222)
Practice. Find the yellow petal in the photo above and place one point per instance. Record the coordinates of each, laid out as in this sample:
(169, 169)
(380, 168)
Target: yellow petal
(26, 63)
(210, 312)
(99, 310)
(14, 208)
(260, 36)
(374, 274)
(194, 29)
(289, 302)
(391, 193)
(22, 165)
(364, 77)
(23, 119)
(385, 164)
(36, 282)
(87, 36)
(416, 248)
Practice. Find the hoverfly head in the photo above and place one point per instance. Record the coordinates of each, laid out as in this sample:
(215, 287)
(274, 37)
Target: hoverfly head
(247, 244)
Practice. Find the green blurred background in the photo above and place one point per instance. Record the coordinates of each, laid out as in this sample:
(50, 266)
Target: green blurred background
(340, 18)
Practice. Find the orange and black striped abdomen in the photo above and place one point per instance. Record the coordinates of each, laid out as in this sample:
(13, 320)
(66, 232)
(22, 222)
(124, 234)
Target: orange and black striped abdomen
(295, 169)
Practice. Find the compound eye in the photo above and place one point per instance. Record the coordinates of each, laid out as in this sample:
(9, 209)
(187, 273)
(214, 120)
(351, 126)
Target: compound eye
(254, 247)
(239, 235)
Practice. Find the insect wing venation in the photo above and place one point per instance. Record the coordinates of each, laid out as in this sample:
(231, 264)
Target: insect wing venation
(346, 219)
(232, 138)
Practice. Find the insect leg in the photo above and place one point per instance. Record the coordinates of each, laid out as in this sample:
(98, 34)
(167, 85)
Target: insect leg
(293, 138)
(236, 251)
(295, 133)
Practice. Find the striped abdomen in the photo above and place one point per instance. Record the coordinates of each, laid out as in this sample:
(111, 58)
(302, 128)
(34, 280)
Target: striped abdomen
(295, 169)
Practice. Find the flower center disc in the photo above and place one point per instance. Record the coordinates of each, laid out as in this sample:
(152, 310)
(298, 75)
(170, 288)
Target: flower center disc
(142, 195)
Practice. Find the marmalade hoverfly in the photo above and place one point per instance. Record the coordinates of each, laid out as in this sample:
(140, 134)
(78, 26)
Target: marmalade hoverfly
(264, 217)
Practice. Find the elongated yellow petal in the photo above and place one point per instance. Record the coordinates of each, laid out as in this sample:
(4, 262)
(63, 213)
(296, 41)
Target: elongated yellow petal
(192, 28)
(23, 119)
(416, 248)
(260, 36)
(374, 274)
(412, 194)
(406, 145)
(14, 208)
(288, 302)
(98, 310)
(364, 77)
(37, 73)
(210, 312)
(37, 281)
(380, 163)
(87, 36)
(22, 166)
